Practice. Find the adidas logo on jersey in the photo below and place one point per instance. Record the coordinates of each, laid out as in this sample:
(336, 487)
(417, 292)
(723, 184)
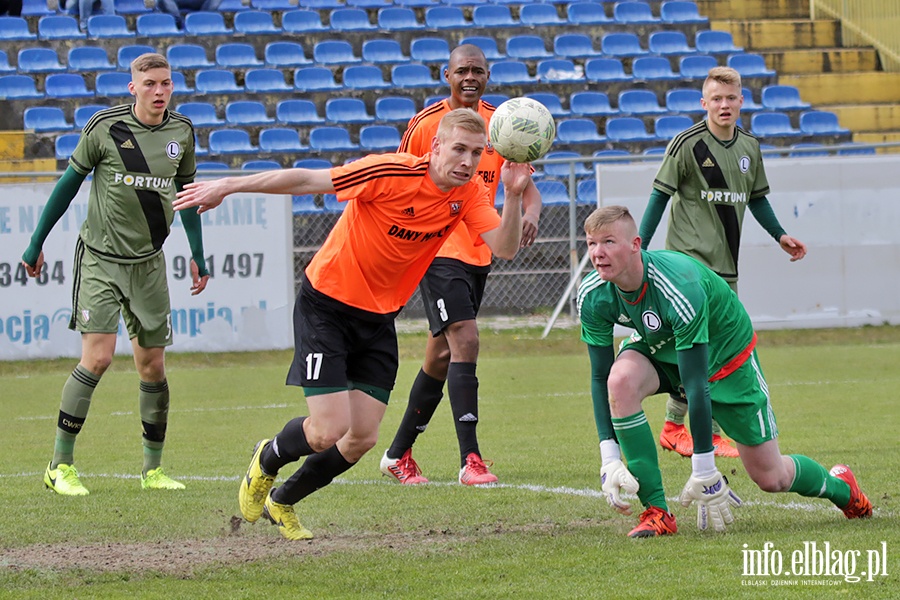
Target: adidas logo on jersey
(708, 163)
(409, 212)
(127, 145)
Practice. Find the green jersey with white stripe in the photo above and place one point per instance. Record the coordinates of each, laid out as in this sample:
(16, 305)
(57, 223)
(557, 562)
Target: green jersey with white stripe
(680, 303)
(710, 182)
(135, 169)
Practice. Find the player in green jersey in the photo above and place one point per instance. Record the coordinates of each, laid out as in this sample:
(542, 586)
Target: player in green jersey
(691, 331)
(141, 155)
(714, 171)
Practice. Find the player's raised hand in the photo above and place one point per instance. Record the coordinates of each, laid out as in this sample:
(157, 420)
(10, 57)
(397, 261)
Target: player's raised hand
(515, 177)
(714, 500)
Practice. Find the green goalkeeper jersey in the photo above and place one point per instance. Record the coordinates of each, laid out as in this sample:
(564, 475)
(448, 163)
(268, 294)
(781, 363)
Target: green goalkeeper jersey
(711, 182)
(680, 303)
(135, 169)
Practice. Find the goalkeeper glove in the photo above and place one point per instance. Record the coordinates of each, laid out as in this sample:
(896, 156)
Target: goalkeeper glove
(714, 497)
(614, 476)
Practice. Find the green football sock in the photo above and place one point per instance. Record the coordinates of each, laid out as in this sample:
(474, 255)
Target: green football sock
(813, 481)
(73, 410)
(639, 449)
(154, 404)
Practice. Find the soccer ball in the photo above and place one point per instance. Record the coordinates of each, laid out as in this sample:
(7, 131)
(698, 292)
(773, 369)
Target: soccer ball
(522, 130)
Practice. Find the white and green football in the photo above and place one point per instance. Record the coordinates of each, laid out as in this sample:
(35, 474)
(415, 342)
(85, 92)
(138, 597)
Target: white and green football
(522, 130)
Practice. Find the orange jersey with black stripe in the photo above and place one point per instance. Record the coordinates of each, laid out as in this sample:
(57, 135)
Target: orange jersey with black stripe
(462, 244)
(395, 221)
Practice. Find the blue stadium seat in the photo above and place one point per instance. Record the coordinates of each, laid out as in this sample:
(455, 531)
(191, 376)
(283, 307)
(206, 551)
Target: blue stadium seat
(684, 100)
(605, 70)
(669, 126)
(346, 111)
(39, 60)
(495, 99)
(627, 129)
(782, 97)
(305, 204)
(709, 41)
(127, 53)
(187, 56)
(574, 45)
(334, 52)
(236, 55)
(633, 13)
(561, 170)
(199, 150)
(230, 141)
(488, 45)
(321, 4)
(697, 66)
(84, 113)
(510, 72)
(132, 7)
(302, 21)
(654, 151)
(255, 22)
(818, 122)
(371, 4)
(493, 15)
(108, 26)
(429, 100)
(429, 50)
(246, 112)
(66, 85)
(379, 138)
(639, 102)
(416, 3)
(394, 109)
(206, 23)
(201, 114)
(383, 52)
(45, 118)
(350, 19)
(676, 11)
(260, 165)
(586, 13)
(808, 150)
(265, 81)
(536, 15)
(36, 8)
(179, 84)
(591, 104)
(556, 70)
(157, 25)
(332, 204)
(331, 139)
(586, 192)
(750, 65)
(552, 192)
(297, 112)
(212, 165)
(412, 76)
(65, 145)
(653, 68)
(750, 105)
(668, 43)
(527, 47)
(364, 77)
(612, 156)
(62, 27)
(621, 44)
(772, 124)
(89, 59)
(285, 54)
(445, 17)
(551, 101)
(113, 84)
(281, 140)
(5, 67)
(270, 5)
(312, 163)
(398, 18)
(217, 81)
(578, 131)
(849, 150)
(315, 79)
(15, 28)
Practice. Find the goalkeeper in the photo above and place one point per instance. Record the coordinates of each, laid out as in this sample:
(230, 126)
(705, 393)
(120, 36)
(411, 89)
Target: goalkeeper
(690, 330)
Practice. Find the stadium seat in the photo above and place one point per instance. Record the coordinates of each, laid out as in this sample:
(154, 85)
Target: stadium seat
(684, 100)
(84, 113)
(561, 170)
(574, 45)
(429, 50)
(62, 27)
(347, 111)
(36, 8)
(270, 5)
(849, 150)
(586, 13)
(179, 84)
(217, 81)
(591, 104)
(108, 26)
(66, 85)
(425, 4)
(127, 53)
(350, 19)
(379, 138)
(412, 76)
(5, 67)
(488, 45)
(334, 52)
(653, 68)
(232, 56)
(372, 4)
(429, 100)
(639, 102)
(669, 43)
(697, 66)
(551, 101)
(552, 192)
(230, 141)
(281, 140)
(510, 72)
(394, 109)
(772, 124)
(315, 79)
(302, 21)
(265, 81)
(398, 18)
(493, 15)
(332, 204)
(132, 7)
(782, 97)
(39, 60)
(364, 77)
(669, 126)
(750, 65)
(383, 52)
(297, 112)
(627, 129)
(818, 122)
(65, 145)
(201, 114)
(212, 165)
(205, 23)
(750, 105)
(45, 118)
(15, 28)
(260, 165)
(633, 13)
(445, 17)
(331, 139)
(621, 44)
(676, 11)
(527, 47)
(495, 99)
(305, 204)
(113, 84)
(157, 25)
(715, 42)
(586, 192)
(255, 22)
(578, 131)
(89, 59)
(321, 4)
(654, 151)
(285, 54)
(556, 70)
(188, 56)
(312, 163)
(605, 70)
(808, 150)
(246, 112)
(537, 15)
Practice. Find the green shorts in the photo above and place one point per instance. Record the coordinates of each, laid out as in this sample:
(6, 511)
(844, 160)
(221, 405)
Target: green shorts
(740, 402)
(139, 292)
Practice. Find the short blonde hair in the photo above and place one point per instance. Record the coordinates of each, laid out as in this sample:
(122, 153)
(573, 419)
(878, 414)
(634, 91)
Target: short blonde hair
(607, 215)
(464, 118)
(723, 75)
(150, 60)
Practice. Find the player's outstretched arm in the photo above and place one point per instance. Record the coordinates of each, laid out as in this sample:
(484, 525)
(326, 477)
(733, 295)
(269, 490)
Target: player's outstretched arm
(504, 240)
(206, 195)
(57, 204)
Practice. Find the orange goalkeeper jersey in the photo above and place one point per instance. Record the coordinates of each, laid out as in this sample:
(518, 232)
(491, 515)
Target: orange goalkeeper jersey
(462, 244)
(394, 223)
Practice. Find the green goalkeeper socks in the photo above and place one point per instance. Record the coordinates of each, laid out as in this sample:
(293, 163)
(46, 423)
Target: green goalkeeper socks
(813, 481)
(639, 450)
(73, 410)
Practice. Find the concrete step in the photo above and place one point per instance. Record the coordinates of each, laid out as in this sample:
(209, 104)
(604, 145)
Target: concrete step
(754, 9)
(866, 117)
(12, 144)
(27, 166)
(773, 34)
(846, 88)
(822, 60)
(869, 137)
